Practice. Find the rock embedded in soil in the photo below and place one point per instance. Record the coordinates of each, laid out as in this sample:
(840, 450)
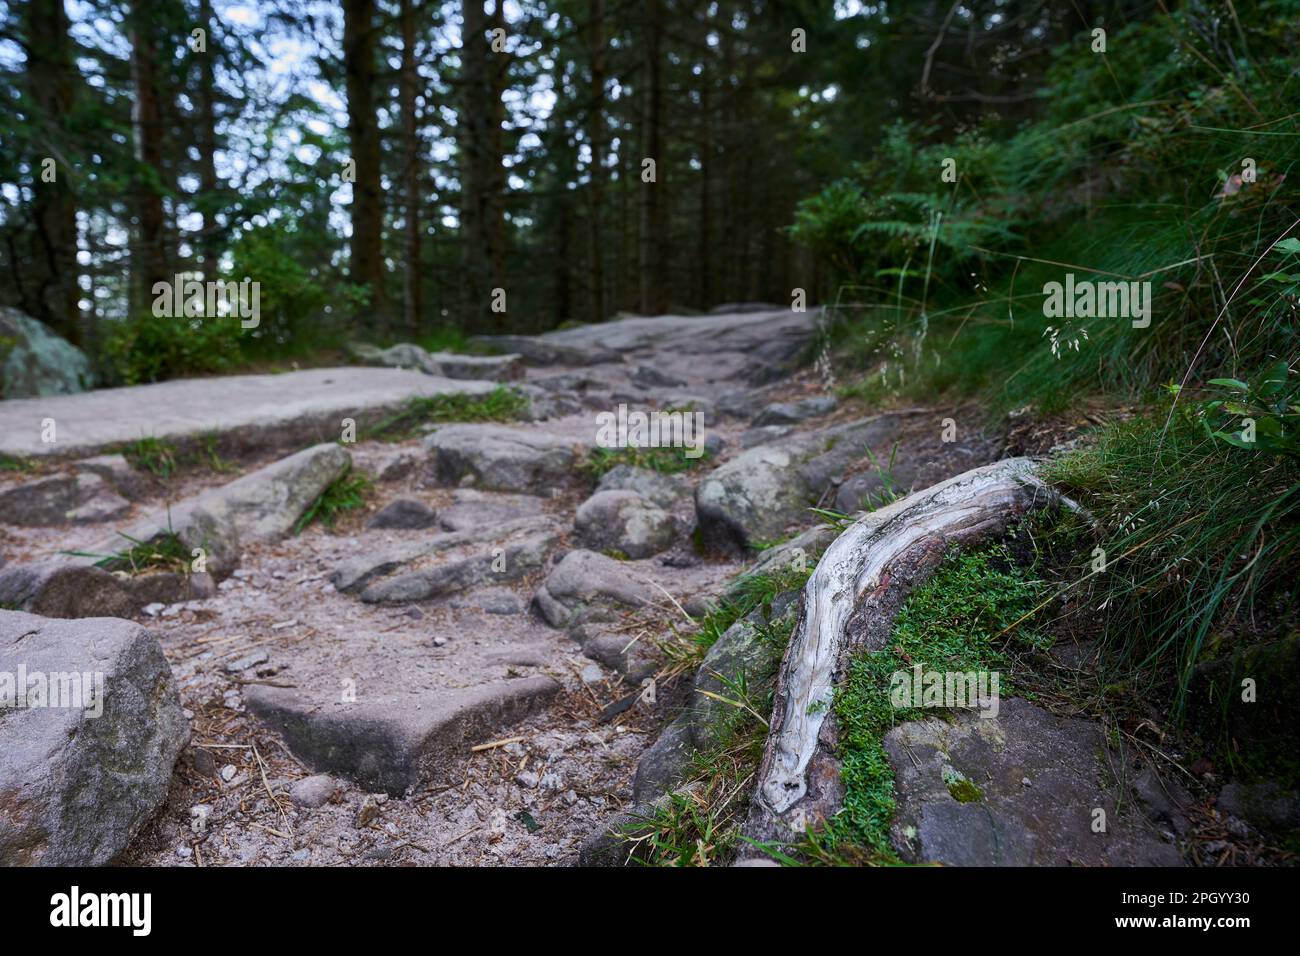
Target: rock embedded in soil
(962, 801)
(584, 581)
(68, 498)
(664, 763)
(314, 791)
(500, 458)
(405, 514)
(664, 491)
(62, 590)
(389, 745)
(509, 561)
(77, 784)
(791, 413)
(760, 493)
(624, 522)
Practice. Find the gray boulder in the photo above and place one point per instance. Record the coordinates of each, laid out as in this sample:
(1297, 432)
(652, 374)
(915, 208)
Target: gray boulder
(64, 590)
(72, 497)
(623, 521)
(508, 562)
(500, 458)
(585, 582)
(662, 491)
(743, 656)
(761, 492)
(77, 783)
(493, 368)
(34, 361)
(665, 762)
(791, 413)
(403, 355)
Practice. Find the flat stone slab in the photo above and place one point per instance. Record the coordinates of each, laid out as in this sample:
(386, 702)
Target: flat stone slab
(251, 411)
(392, 744)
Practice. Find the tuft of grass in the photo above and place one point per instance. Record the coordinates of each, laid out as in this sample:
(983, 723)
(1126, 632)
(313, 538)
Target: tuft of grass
(502, 404)
(700, 823)
(164, 552)
(154, 455)
(665, 461)
(346, 493)
(1199, 537)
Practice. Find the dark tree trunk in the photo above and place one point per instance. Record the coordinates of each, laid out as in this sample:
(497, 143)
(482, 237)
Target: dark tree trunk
(149, 261)
(652, 194)
(359, 38)
(51, 76)
(411, 304)
(596, 140)
(209, 241)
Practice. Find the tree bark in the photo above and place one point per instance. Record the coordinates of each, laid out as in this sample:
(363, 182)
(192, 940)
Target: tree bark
(209, 241)
(481, 170)
(51, 78)
(149, 261)
(411, 298)
(596, 140)
(652, 194)
(359, 38)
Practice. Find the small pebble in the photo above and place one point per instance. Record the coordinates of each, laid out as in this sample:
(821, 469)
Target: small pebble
(228, 772)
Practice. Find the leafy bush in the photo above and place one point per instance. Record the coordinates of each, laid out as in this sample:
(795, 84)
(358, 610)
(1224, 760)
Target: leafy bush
(152, 348)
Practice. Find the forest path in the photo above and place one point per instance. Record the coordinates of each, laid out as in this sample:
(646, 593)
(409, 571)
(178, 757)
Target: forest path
(382, 655)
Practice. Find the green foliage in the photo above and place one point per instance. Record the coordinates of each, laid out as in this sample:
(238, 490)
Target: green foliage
(1196, 532)
(1133, 169)
(502, 404)
(346, 493)
(1269, 402)
(301, 308)
(153, 348)
(163, 552)
(965, 618)
(154, 455)
(665, 460)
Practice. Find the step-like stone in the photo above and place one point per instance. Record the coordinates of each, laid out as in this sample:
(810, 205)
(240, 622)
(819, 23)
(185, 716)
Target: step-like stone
(391, 745)
(84, 769)
(244, 412)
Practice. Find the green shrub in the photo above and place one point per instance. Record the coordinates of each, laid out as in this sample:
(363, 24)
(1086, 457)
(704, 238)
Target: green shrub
(152, 348)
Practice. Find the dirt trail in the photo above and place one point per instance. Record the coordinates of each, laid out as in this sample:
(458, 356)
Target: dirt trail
(283, 676)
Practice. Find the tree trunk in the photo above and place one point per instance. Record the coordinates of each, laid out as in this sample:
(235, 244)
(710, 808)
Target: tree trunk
(209, 241)
(652, 202)
(359, 37)
(149, 260)
(51, 75)
(411, 305)
(481, 171)
(596, 140)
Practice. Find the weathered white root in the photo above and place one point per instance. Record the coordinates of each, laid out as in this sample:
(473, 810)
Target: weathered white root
(857, 587)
